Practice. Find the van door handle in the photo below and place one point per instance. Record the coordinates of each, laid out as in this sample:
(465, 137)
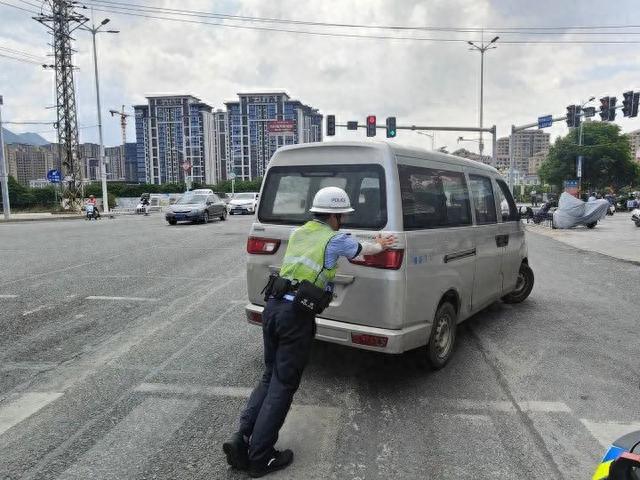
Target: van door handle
(502, 240)
(459, 255)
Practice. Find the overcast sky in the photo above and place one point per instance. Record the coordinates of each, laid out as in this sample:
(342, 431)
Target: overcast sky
(417, 81)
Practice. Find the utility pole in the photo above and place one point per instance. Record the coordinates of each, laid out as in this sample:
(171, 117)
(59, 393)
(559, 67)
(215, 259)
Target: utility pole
(579, 160)
(4, 173)
(482, 48)
(62, 22)
(123, 130)
(103, 166)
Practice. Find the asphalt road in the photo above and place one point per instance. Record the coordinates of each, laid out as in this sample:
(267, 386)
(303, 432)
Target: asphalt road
(124, 354)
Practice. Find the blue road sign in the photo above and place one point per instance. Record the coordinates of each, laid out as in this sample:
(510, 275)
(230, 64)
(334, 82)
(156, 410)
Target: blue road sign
(546, 121)
(54, 176)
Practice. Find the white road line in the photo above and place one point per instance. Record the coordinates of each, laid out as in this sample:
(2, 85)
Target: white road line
(544, 407)
(125, 449)
(206, 390)
(8, 296)
(607, 432)
(123, 299)
(23, 406)
(498, 405)
(36, 310)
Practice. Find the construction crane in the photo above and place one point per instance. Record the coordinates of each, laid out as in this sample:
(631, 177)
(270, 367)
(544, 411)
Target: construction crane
(123, 126)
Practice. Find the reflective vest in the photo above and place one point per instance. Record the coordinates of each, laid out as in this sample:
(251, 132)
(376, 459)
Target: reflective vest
(304, 258)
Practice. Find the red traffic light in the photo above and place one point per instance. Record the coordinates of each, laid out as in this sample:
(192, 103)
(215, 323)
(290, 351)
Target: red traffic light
(371, 119)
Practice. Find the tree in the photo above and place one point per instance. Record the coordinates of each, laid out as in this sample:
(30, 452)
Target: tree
(607, 158)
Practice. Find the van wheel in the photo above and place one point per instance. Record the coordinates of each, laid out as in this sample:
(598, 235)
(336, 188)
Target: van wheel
(443, 336)
(592, 225)
(524, 285)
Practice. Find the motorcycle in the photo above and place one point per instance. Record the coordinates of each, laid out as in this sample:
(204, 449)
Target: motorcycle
(635, 217)
(572, 212)
(143, 204)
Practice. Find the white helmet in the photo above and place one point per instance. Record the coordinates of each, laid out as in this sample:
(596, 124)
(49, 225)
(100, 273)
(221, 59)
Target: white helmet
(331, 200)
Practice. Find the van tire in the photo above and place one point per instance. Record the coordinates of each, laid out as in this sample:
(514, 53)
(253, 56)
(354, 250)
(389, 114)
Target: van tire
(523, 286)
(443, 336)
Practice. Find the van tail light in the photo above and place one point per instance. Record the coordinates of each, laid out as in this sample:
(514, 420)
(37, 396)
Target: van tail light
(389, 259)
(262, 246)
(369, 340)
(254, 317)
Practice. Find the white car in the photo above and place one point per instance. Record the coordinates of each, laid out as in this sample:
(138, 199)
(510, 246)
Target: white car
(246, 202)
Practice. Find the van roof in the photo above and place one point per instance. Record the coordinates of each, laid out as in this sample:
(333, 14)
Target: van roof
(396, 149)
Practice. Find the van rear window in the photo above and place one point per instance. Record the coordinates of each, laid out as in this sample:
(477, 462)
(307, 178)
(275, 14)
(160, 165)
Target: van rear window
(288, 193)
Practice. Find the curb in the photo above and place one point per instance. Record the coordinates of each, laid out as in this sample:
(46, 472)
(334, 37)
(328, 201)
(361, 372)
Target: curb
(56, 218)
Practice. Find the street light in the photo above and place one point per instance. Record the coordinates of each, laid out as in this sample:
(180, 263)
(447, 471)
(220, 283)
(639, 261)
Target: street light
(579, 164)
(483, 47)
(431, 135)
(94, 30)
(462, 139)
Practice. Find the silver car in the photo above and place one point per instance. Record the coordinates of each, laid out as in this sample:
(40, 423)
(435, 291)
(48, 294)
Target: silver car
(196, 207)
(460, 242)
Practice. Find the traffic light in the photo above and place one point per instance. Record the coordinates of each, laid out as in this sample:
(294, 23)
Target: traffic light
(391, 127)
(634, 107)
(612, 108)
(608, 109)
(626, 103)
(331, 125)
(573, 116)
(371, 126)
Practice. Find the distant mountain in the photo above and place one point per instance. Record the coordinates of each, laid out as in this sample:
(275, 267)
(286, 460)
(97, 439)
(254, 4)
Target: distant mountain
(25, 138)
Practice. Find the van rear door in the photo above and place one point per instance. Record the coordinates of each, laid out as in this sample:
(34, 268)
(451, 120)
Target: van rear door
(367, 293)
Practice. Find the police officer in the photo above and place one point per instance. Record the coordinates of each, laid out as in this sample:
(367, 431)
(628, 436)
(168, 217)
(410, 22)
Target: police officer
(312, 254)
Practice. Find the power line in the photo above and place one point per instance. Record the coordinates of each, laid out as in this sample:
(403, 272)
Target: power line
(41, 6)
(20, 53)
(130, 12)
(19, 8)
(18, 59)
(548, 30)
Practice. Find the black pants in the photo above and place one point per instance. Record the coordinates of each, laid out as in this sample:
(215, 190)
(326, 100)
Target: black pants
(287, 337)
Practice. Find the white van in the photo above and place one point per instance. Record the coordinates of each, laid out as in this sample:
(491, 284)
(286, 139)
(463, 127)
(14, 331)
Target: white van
(460, 243)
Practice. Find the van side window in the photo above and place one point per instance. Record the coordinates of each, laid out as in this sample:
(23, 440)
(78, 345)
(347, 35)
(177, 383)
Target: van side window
(508, 207)
(433, 198)
(483, 200)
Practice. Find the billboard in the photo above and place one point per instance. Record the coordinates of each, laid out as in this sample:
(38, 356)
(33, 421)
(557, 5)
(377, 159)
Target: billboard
(571, 187)
(281, 127)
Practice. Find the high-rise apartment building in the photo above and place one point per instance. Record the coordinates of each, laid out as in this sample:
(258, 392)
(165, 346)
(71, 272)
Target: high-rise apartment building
(218, 145)
(173, 139)
(28, 162)
(634, 139)
(260, 123)
(524, 145)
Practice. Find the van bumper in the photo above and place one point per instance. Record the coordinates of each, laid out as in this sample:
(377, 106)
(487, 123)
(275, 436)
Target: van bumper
(342, 333)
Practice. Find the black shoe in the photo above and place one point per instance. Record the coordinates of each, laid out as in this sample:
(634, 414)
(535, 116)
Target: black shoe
(236, 450)
(273, 463)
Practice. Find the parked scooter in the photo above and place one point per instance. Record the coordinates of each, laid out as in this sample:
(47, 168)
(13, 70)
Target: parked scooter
(635, 216)
(143, 204)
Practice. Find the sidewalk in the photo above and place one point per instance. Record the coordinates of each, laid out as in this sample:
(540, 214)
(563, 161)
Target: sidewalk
(615, 236)
(35, 217)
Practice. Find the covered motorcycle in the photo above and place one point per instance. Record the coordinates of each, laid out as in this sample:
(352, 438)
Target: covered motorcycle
(572, 212)
(635, 217)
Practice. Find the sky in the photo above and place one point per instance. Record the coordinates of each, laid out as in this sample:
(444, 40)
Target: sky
(419, 82)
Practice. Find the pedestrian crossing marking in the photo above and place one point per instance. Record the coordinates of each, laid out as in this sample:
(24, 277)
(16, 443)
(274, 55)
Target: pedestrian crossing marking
(205, 390)
(607, 432)
(23, 406)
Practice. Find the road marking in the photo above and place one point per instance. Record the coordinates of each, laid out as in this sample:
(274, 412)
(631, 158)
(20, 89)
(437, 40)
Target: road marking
(311, 431)
(8, 296)
(123, 299)
(607, 432)
(210, 391)
(36, 310)
(23, 407)
(38, 366)
(125, 449)
(498, 405)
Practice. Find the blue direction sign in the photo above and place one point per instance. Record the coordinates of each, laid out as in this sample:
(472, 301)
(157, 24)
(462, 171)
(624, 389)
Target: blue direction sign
(54, 176)
(546, 121)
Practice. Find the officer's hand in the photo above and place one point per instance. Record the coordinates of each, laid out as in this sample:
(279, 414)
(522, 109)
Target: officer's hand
(385, 241)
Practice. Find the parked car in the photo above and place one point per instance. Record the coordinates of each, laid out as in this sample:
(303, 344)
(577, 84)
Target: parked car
(459, 247)
(245, 202)
(225, 197)
(196, 207)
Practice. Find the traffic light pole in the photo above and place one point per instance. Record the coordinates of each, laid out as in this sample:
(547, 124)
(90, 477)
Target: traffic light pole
(492, 131)
(4, 174)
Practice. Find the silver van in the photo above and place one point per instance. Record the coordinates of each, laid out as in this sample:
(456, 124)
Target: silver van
(460, 243)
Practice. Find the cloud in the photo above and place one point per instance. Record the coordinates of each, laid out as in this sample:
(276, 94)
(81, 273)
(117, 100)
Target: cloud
(418, 82)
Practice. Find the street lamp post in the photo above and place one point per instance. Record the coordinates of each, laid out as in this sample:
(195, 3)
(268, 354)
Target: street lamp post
(579, 162)
(103, 168)
(430, 135)
(4, 173)
(483, 47)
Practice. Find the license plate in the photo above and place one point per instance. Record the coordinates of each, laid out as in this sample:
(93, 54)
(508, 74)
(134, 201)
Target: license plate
(180, 217)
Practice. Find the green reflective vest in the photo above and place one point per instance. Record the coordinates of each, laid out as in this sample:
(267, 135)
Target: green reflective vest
(304, 258)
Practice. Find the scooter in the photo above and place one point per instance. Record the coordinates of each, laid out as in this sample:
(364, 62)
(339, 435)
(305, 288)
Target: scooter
(612, 210)
(621, 461)
(635, 216)
(91, 212)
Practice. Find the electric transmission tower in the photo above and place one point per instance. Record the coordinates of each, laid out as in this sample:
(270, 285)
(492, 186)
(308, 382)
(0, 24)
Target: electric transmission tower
(60, 17)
